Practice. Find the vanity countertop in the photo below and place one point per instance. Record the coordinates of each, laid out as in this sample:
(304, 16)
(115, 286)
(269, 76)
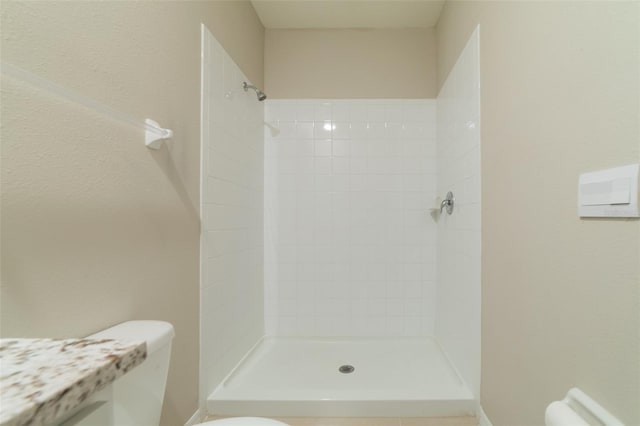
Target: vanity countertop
(43, 379)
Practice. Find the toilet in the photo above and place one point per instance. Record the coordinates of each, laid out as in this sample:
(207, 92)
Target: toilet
(138, 395)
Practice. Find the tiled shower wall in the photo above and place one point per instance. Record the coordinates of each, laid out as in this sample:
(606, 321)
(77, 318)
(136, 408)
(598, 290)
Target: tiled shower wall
(458, 291)
(349, 242)
(232, 316)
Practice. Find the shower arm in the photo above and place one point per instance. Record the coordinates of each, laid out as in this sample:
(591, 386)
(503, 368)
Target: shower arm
(259, 93)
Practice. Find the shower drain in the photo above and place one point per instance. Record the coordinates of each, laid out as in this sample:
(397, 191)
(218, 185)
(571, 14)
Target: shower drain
(346, 369)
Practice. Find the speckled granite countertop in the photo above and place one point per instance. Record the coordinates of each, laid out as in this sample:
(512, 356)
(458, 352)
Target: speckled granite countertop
(43, 379)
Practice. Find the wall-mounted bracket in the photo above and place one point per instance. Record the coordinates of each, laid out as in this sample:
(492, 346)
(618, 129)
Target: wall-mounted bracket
(154, 134)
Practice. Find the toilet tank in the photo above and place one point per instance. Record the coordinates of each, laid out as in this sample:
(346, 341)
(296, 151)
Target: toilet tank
(138, 395)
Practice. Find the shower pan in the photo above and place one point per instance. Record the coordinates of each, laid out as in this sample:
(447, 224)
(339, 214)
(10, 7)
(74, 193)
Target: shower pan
(391, 377)
(328, 289)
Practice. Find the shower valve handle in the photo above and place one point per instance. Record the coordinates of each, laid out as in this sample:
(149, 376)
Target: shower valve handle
(447, 203)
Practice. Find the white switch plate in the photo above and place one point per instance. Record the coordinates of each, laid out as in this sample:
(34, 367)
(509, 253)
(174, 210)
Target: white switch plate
(609, 193)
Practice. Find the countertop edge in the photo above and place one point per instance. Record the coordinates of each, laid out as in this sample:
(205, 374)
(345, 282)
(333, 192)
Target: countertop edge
(82, 382)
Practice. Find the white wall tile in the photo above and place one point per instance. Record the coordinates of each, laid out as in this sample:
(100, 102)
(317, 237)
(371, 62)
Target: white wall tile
(458, 253)
(347, 240)
(358, 111)
(232, 288)
(304, 111)
(340, 111)
(304, 130)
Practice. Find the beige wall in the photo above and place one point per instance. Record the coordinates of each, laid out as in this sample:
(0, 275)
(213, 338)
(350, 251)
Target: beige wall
(350, 63)
(96, 228)
(560, 90)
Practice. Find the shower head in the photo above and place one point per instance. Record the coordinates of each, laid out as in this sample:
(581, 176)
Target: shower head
(259, 93)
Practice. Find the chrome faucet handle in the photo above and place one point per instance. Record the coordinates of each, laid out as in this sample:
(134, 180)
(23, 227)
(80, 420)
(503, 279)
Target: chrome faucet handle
(447, 203)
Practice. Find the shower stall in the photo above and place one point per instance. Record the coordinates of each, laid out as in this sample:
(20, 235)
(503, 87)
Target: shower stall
(332, 281)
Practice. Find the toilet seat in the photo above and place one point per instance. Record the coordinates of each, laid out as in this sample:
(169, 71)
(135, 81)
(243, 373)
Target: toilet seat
(243, 421)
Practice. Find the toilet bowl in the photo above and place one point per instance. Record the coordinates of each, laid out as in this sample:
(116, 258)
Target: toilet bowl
(243, 421)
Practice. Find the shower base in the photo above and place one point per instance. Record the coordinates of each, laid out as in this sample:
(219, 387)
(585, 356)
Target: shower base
(391, 377)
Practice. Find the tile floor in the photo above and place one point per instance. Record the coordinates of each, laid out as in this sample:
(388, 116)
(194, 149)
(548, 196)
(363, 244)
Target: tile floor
(374, 421)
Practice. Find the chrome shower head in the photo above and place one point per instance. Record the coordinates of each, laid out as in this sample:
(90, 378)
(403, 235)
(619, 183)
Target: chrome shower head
(259, 93)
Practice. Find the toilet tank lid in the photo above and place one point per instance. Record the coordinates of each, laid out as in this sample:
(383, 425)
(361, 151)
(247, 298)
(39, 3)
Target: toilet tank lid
(156, 333)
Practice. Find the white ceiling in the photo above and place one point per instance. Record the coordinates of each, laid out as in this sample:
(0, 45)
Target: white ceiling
(317, 14)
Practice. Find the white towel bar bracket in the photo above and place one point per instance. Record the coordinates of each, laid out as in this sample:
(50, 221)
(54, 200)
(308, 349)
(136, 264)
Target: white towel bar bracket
(153, 137)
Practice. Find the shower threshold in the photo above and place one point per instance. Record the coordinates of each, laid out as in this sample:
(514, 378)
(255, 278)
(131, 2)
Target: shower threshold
(345, 377)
